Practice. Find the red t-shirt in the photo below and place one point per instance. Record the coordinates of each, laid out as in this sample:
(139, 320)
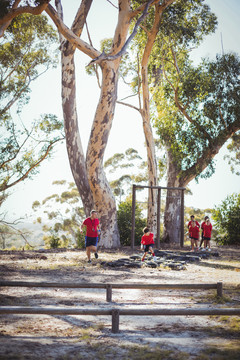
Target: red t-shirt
(194, 232)
(207, 229)
(147, 239)
(91, 227)
(197, 223)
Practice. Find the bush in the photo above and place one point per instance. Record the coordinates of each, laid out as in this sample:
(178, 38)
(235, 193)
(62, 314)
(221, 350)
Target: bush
(80, 240)
(227, 216)
(124, 218)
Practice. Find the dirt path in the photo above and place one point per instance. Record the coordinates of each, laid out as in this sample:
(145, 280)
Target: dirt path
(140, 337)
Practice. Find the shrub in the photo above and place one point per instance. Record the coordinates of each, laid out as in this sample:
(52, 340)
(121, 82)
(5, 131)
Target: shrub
(226, 217)
(124, 218)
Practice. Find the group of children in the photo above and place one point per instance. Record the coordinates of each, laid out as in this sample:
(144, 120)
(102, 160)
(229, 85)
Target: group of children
(194, 234)
(147, 241)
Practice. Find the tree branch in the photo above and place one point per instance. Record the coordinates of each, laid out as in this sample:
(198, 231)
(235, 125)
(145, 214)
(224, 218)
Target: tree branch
(4, 187)
(6, 20)
(202, 162)
(182, 108)
(165, 4)
(104, 57)
(129, 105)
(69, 34)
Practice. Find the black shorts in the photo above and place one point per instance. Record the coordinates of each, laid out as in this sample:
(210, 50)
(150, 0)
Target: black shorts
(146, 247)
(193, 238)
(206, 238)
(91, 241)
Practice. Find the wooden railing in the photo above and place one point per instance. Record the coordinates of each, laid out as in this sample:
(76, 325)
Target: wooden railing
(109, 287)
(115, 313)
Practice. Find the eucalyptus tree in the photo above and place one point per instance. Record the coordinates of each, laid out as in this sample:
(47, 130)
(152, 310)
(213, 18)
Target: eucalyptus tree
(185, 24)
(198, 112)
(88, 171)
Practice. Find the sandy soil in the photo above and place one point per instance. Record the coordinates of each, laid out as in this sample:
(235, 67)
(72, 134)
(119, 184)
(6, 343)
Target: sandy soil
(90, 337)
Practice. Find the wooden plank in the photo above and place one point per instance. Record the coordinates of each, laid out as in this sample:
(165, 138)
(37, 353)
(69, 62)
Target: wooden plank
(123, 312)
(163, 286)
(104, 286)
(180, 311)
(52, 310)
(53, 284)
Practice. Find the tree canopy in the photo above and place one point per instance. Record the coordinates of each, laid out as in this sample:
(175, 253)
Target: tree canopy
(26, 51)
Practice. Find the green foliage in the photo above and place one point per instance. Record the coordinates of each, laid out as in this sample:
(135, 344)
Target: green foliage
(124, 219)
(26, 51)
(211, 111)
(234, 148)
(6, 5)
(117, 164)
(64, 217)
(226, 217)
(195, 107)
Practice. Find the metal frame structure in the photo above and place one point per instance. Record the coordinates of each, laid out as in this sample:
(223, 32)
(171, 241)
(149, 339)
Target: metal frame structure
(159, 188)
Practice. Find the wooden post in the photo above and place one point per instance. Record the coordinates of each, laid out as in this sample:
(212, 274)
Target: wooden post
(219, 289)
(158, 217)
(133, 216)
(108, 293)
(115, 321)
(182, 219)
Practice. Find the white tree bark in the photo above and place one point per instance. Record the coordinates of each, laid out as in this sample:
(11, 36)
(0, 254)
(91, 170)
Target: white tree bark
(73, 141)
(172, 213)
(102, 194)
(147, 128)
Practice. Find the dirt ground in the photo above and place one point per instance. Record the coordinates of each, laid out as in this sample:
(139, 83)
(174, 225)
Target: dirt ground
(140, 337)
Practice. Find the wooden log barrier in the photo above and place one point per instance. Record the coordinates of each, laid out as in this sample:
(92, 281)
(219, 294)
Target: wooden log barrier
(218, 286)
(117, 312)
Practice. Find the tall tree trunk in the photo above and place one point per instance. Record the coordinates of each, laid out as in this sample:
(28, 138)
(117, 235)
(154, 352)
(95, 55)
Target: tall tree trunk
(73, 141)
(102, 194)
(172, 213)
(147, 128)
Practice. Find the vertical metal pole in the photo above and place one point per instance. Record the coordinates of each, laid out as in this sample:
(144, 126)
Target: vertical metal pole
(219, 289)
(108, 293)
(133, 216)
(158, 216)
(182, 219)
(115, 321)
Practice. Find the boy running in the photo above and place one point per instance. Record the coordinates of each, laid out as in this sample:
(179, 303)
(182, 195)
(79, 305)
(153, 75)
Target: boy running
(148, 242)
(91, 239)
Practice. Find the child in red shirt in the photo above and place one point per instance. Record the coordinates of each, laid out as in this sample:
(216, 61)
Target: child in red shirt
(207, 231)
(194, 234)
(148, 242)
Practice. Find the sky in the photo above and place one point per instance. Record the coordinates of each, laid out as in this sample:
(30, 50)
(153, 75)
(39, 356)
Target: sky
(127, 127)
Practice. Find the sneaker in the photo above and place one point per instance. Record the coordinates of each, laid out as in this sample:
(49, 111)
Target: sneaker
(89, 261)
(96, 255)
(209, 249)
(203, 249)
(154, 258)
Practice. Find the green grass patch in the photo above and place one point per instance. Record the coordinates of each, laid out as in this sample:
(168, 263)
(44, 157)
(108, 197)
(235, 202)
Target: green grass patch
(139, 352)
(213, 353)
